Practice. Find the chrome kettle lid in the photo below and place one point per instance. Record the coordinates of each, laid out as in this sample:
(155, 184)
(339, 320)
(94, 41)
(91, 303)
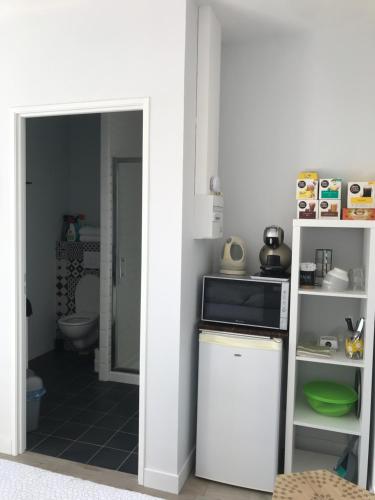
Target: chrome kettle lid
(273, 236)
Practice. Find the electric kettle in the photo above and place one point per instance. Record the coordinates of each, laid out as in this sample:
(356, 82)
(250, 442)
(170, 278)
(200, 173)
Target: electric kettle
(233, 256)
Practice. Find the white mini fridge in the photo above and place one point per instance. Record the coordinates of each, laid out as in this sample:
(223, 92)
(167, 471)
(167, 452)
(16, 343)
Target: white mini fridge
(239, 392)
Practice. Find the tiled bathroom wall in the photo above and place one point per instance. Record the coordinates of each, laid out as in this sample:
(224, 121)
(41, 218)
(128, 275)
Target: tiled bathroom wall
(70, 268)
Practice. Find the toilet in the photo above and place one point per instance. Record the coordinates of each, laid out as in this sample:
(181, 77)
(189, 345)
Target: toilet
(82, 328)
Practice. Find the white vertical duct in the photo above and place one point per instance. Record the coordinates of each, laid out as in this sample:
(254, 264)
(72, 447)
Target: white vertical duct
(208, 204)
(208, 99)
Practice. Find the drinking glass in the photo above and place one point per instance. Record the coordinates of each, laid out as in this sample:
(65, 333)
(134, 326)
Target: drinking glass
(323, 261)
(357, 279)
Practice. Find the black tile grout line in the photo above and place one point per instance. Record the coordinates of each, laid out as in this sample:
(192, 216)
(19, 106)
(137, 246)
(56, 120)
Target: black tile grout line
(73, 441)
(87, 406)
(84, 408)
(132, 391)
(103, 445)
(77, 440)
(70, 418)
(127, 457)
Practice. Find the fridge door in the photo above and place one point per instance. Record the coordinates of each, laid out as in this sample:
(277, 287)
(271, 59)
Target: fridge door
(238, 409)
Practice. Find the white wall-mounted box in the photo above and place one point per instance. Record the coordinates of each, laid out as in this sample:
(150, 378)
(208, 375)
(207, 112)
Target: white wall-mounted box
(208, 99)
(208, 216)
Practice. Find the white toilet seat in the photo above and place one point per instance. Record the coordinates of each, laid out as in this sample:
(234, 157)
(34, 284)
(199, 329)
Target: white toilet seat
(78, 319)
(82, 327)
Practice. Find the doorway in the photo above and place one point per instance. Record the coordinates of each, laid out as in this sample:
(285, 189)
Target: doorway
(124, 396)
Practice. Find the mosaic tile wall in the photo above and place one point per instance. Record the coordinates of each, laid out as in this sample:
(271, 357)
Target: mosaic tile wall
(69, 270)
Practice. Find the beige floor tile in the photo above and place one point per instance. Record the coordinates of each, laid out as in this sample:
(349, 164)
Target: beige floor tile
(194, 489)
(219, 491)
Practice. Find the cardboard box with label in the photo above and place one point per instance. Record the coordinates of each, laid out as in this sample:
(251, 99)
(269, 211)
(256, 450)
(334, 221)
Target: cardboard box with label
(361, 194)
(329, 209)
(307, 186)
(358, 213)
(307, 209)
(330, 189)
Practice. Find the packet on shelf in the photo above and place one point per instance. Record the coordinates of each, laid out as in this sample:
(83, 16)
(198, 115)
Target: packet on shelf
(307, 186)
(358, 213)
(329, 209)
(330, 189)
(307, 209)
(361, 194)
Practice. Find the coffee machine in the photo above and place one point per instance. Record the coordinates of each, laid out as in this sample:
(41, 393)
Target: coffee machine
(275, 256)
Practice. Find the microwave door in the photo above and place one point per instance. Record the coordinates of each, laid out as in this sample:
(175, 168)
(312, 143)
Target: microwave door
(242, 302)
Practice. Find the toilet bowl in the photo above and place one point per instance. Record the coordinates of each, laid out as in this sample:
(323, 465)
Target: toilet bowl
(81, 328)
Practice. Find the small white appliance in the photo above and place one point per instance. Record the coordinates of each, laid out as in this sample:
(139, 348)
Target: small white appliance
(233, 256)
(81, 328)
(239, 392)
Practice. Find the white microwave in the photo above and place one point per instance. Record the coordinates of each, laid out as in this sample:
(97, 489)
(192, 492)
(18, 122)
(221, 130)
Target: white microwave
(251, 301)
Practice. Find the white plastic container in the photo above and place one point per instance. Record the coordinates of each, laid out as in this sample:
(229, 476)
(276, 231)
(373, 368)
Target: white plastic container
(34, 392)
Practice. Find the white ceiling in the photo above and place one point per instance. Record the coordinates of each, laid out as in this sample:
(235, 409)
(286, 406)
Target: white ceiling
(245, 19)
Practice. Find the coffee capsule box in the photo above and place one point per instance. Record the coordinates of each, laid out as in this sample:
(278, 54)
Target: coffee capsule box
(329, 209)
(330, 189)
(358, 213)
(307, 186)
(361, 194)
(307, 209)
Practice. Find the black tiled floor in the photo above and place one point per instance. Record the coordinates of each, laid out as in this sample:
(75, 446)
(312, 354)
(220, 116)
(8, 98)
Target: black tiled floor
(131, 426)
(123, 441)
(34, 438)
(109, 459)
(70, 430)
(48, 425)
(123, 409)
(131, 464)
(111, 422)
(103, 404)
(88, 417)
(64, 412)
(96, 435)
(80, 452)
(82, 419)
(52, 446)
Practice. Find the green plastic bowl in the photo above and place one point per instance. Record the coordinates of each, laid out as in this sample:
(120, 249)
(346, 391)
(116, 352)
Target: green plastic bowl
(330, 398)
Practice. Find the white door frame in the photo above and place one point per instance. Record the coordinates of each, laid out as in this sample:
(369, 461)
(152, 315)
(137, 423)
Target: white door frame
(18, 133)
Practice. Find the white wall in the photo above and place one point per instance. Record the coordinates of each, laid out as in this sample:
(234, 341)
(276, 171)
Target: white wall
(63, 156)
(66, 52)
(196, 261)
(47, 169)
(84, 167)
(292, 103)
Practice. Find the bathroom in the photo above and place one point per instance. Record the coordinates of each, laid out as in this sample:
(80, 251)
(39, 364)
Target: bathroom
(83, 324)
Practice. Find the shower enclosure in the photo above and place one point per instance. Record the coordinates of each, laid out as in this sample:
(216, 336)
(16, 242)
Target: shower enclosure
(127, 246)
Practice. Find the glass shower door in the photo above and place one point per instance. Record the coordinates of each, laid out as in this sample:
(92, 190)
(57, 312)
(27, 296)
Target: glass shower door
(127, 245)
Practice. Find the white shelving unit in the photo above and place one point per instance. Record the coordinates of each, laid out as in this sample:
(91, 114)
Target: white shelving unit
(315, 312)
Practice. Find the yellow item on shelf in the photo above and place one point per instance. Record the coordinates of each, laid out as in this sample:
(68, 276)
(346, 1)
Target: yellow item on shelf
(311, 176)
(307, 186)
(354, 348)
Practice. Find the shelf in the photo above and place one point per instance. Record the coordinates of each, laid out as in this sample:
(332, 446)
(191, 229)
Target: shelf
(310, 460)
(338, 224)
(348, 294)
(304, 416)
(337, 358)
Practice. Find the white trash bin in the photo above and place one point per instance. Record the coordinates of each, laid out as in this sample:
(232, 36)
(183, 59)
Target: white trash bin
(34, 392)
